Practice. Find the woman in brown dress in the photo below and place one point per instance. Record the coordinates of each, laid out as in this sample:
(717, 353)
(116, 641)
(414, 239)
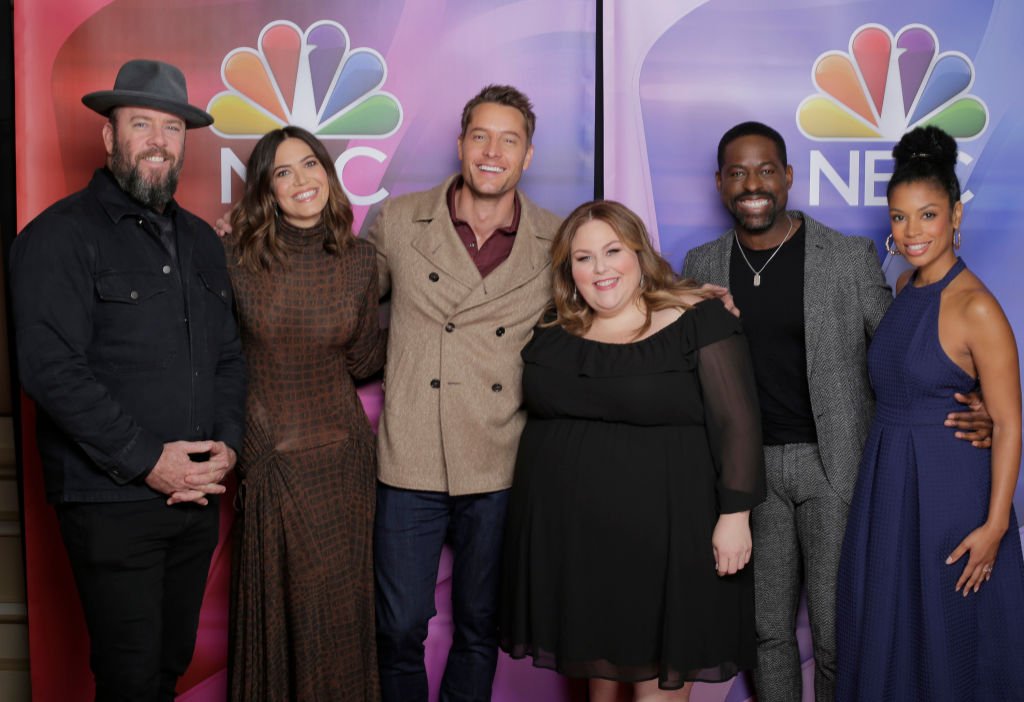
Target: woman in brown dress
(306, 289)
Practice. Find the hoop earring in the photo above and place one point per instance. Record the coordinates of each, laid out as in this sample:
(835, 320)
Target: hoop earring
(575, 297)
(956, 239)
(890, 246)
(642, 281)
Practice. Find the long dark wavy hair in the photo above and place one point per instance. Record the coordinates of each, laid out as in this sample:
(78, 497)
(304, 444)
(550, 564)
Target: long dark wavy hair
(660, 288)
(254, 220)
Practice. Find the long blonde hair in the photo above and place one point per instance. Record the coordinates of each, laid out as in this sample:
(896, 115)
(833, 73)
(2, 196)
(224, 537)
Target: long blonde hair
(660, 287)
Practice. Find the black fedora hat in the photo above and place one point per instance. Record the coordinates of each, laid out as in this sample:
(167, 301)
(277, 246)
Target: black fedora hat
(154, 84)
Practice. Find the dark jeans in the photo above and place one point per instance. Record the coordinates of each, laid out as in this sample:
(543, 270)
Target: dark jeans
(411, 527)
(141, 569)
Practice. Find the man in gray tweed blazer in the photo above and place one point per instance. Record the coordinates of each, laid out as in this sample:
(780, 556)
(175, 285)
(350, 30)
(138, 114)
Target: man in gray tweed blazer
(811, 299)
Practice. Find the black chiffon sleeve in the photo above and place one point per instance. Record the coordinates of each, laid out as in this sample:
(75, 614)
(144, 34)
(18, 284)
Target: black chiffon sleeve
(733, 421)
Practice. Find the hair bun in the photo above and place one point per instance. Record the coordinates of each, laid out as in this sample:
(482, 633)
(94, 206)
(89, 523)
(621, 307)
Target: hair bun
(926, 142)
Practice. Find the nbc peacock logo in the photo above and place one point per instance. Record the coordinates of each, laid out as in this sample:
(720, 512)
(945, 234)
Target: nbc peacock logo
(313, 79)
(885, 86)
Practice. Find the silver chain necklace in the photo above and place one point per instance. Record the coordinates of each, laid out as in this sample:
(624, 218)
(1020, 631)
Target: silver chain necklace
(757, 273)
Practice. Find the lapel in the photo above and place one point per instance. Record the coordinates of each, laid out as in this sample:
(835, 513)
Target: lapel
(439, 243)
(816, 277)
(529, 258)
(722, 259)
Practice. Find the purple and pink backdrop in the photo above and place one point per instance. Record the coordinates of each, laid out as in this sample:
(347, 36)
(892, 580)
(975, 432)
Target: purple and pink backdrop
(404, 70)
(842, 81)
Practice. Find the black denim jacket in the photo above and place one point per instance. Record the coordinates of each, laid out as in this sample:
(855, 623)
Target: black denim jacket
(120, 349)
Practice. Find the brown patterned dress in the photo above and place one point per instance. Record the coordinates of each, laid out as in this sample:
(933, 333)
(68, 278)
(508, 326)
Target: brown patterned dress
(302, 607)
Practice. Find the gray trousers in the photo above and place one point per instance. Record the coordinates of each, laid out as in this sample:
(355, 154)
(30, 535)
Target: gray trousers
(797, 535)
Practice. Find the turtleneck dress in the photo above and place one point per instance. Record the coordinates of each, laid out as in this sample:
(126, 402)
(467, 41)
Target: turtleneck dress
(302, 607)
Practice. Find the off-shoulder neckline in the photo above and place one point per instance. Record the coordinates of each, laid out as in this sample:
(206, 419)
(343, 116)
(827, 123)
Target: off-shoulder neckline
(626, 344)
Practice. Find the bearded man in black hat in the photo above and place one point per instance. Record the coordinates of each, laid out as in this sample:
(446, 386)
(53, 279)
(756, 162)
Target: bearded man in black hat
(127, 342)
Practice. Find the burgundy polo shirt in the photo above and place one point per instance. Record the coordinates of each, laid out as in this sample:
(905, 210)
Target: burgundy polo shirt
(497, 247)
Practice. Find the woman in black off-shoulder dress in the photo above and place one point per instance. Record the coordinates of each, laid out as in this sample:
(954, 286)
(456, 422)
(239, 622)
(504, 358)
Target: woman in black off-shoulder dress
(628, 530)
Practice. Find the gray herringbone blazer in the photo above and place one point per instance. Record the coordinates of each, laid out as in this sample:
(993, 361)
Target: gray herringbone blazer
(845, 296)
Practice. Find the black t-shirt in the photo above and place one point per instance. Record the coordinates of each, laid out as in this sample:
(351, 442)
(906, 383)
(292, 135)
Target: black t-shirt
(773, 321)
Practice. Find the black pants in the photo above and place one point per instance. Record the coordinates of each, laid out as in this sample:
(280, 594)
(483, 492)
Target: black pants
(141, 571)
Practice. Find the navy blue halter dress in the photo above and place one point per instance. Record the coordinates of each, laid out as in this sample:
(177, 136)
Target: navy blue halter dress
(903, 632)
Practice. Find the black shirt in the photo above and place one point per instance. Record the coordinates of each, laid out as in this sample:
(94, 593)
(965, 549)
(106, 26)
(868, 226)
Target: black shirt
(773, 321)
(163, 228)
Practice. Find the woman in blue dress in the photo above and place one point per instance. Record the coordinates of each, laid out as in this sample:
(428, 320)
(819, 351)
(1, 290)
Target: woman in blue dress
(930, 604)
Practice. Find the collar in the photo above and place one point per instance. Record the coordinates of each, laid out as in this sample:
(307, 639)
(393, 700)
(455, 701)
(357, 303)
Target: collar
(454, 188)
(116, 202)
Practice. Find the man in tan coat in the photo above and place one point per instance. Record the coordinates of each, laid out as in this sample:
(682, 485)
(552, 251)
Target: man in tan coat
(467, 266)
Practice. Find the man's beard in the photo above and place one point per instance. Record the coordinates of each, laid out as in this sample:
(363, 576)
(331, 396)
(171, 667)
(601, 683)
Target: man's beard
(154, 195)
(751, 223)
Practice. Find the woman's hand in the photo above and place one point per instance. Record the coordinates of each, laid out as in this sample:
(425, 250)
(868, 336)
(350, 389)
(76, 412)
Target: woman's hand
(982, 544)
(731, 542)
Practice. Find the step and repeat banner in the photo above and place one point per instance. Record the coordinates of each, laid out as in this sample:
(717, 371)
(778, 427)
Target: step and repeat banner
(383, 84)
(841, 81)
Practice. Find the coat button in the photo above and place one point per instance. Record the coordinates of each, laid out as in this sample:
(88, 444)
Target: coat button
(449, 327)
(134, 294)
(496, 387)
(500, 331)
(434, 277)
(166, 269)
(435, 383)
